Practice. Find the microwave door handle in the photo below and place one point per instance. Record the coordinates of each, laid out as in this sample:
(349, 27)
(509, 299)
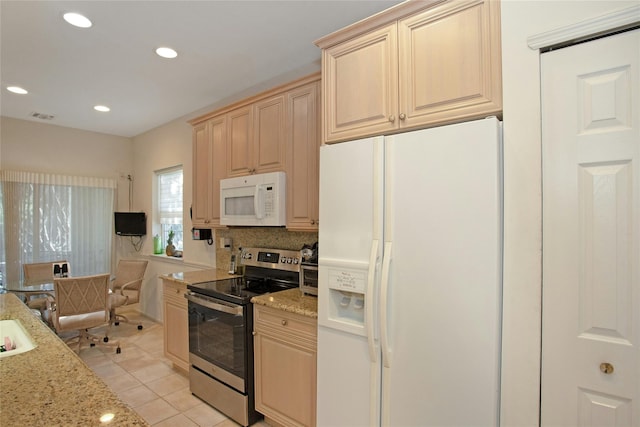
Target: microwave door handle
(258, 202)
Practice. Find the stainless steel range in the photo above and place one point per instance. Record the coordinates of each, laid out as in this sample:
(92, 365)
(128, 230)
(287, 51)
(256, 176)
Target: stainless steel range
(221, 326)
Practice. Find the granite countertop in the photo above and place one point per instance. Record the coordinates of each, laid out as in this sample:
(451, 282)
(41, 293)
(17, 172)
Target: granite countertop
(51, 385)
(291, 300)
(199, 276)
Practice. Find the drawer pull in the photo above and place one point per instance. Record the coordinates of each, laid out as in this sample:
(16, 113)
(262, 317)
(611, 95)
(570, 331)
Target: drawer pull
(284, 323)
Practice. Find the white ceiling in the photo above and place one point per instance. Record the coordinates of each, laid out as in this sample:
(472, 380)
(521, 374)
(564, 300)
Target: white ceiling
(225, 48)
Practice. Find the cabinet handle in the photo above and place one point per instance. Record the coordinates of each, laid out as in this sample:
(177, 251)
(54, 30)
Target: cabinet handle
(254, 333)
(284, 323)
(392, 118)
(177, 291)
(402, 116)
(313, 222)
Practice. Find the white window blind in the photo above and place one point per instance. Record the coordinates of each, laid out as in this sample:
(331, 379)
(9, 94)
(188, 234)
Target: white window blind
(170, 196)
(47, 217)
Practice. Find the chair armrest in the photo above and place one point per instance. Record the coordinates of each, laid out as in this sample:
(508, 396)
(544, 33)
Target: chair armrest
(51, 302)
(126, 285)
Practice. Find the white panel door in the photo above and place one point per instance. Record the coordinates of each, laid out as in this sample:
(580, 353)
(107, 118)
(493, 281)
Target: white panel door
(591, 233)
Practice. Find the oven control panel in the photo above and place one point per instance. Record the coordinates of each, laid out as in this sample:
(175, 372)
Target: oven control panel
(278, 259)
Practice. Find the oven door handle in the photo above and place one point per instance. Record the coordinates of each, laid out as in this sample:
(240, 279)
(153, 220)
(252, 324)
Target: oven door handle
(235, 310)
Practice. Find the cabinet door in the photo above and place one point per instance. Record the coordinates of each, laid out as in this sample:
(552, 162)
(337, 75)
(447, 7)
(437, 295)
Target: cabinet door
(360, 82)
(239, 142)
(303, 147)
(268, 135)
(201, 203)
(176, 324)
(285, 381)
(218, 138)
(450, 66)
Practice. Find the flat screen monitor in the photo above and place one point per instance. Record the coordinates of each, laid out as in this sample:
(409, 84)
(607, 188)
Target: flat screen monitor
(130, 223)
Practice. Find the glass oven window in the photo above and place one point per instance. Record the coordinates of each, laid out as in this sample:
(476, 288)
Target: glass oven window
(218, 337)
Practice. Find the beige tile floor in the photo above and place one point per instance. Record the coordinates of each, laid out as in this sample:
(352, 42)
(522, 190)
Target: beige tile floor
(147, 381)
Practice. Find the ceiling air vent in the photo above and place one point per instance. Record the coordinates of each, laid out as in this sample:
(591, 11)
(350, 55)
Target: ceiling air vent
(42, 116)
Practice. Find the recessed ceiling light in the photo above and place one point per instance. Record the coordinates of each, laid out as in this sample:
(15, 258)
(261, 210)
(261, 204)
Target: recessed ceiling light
(166, 52)
(102, 108)
(16, 89)
(77, 20)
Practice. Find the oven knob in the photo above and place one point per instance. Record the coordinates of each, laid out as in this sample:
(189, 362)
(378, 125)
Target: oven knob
(289, 260)
(247, 256)
(295, 260)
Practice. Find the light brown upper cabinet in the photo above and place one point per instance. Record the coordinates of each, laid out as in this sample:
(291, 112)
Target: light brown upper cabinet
(303, 149)
(276, 130)
(256, 141)
(240, 141)
(209, 166)
(415, 65)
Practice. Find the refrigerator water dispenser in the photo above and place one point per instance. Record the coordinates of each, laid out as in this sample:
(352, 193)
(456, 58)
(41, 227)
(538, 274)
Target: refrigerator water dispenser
(346, 299)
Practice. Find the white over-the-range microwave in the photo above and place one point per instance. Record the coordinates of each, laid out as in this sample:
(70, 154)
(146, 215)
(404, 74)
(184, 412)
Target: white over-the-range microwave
(254, 200)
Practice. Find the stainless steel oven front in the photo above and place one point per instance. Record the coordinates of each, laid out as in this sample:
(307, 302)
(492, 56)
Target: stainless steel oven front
(221, 355)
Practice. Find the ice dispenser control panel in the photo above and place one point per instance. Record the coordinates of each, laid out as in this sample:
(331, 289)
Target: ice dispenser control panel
(348, 280)
(346, 298)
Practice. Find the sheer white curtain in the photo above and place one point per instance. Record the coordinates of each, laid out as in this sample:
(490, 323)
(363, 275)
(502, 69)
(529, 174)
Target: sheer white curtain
(46, 217)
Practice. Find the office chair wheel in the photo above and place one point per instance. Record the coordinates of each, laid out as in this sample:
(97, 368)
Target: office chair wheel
(105, 339)
(139, 327)
(118, 351)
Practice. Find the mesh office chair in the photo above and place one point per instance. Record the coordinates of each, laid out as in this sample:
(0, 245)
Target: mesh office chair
(82, 303)
(126, 287)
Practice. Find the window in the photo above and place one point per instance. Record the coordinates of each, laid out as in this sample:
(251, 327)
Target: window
(170, 205)
(46, 217)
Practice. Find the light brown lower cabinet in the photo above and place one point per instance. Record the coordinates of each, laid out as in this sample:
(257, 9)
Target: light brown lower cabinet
(176, 324)
(285, 354)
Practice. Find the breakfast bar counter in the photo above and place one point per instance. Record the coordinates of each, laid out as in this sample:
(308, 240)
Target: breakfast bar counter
(50, 384)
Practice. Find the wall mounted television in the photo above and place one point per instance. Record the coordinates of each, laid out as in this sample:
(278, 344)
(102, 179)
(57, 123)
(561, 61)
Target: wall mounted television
(130, 223)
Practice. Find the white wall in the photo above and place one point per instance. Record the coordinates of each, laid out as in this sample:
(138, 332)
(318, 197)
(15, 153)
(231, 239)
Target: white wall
(523, 195)
(164, 147)
(42, 147)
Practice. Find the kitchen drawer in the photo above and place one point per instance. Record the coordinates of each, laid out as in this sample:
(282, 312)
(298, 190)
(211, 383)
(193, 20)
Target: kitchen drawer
(283, 322)
(175, 291)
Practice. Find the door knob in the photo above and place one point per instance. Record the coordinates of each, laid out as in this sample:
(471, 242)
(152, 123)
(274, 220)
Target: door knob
(606, 368)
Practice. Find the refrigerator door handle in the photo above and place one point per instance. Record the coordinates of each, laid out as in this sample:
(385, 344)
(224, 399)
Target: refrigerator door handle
(384, 294)
(369, 306)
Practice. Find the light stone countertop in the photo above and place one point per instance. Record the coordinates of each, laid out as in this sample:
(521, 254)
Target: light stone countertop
(291, 300)
(199, 276)
(51, 385)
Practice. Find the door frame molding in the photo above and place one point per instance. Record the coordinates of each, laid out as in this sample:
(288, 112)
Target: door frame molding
(604, 25)
(618, 20)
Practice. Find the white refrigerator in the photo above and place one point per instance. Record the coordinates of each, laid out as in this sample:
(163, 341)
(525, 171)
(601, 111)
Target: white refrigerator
(410, 278)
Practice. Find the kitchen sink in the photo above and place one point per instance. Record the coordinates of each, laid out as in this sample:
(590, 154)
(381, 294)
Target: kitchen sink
(17, 336)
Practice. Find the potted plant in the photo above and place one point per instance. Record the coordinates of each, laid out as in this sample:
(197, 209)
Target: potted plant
(170, 248)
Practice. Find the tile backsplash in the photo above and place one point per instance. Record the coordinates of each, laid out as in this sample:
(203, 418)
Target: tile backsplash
(259, 237)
